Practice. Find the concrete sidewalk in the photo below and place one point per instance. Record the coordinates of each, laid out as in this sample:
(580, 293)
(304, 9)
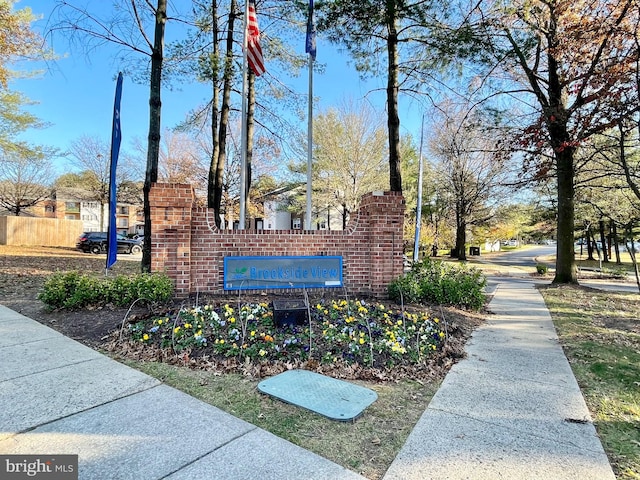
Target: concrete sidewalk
(511, 410)
(60, 397)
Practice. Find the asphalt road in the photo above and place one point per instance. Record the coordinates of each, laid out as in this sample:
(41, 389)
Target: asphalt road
(521, 257)
(527, 258)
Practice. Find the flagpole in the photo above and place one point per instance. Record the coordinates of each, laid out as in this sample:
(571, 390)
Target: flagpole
(416, 243)
(310, 48)
(243, 125)
(309, 144)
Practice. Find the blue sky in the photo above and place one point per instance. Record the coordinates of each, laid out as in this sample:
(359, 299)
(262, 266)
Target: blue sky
(75, 93)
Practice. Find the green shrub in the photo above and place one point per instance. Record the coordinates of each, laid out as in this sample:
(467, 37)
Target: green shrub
(73, 290)
(88, 291)
(58, 288)
(152, 287)
(541, 268)
(433, 281)
(119, 291)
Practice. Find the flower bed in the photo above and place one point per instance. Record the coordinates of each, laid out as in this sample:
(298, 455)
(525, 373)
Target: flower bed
(355, 332)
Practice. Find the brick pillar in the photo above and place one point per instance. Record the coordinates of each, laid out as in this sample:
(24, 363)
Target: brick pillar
(384, 214)
(171, 214)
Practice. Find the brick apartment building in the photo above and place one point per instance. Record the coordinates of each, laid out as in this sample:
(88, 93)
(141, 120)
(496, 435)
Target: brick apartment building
(78, 204)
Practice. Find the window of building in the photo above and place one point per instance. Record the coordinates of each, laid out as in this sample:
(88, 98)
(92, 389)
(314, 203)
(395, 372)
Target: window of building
(123, 223)
(297, 223)
(123, 210)
(72, 207)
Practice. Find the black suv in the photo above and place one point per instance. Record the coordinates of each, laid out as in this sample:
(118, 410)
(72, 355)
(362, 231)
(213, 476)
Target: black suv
(96, 242)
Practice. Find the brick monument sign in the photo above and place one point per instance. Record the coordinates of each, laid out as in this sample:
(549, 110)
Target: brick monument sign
(187, 245)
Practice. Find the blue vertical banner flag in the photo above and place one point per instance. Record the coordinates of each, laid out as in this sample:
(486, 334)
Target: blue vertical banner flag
(116, 137)
(310, 46)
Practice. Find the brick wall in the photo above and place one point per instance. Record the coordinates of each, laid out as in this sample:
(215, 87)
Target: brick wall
(191, 250)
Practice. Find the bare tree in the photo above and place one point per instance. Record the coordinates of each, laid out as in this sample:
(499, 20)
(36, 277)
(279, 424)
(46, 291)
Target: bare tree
(24, 181)
(350, 156)
(180, 161)
(469, 169)
(91, 156)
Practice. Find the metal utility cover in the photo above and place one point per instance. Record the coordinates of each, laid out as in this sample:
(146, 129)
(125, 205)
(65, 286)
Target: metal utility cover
(335, 399)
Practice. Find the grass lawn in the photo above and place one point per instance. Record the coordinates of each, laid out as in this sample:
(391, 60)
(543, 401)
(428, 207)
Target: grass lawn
(600, 334)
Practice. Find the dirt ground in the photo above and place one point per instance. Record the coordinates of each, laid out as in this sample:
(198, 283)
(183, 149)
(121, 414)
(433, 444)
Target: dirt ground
(23, 271)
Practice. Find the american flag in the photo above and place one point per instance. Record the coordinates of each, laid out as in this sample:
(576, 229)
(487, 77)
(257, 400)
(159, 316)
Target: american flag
(254, 52)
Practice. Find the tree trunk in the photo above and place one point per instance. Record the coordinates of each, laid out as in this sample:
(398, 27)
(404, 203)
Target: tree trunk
(461, 235)
(393, 120)
(632, 252)
(224, 119)
(594, 245)
(215, 98)
(153, 149)
(609, 237)
(590, 243)
(251, 110)
(565, 260)
(344, 216)
(603, 242)
(616, 247)
(556, 117)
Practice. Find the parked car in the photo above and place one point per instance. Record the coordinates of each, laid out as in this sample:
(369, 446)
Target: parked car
(582, 242)
(96, 242)
(636, 246)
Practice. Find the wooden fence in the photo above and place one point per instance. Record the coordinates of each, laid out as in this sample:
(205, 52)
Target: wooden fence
(50, 232)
